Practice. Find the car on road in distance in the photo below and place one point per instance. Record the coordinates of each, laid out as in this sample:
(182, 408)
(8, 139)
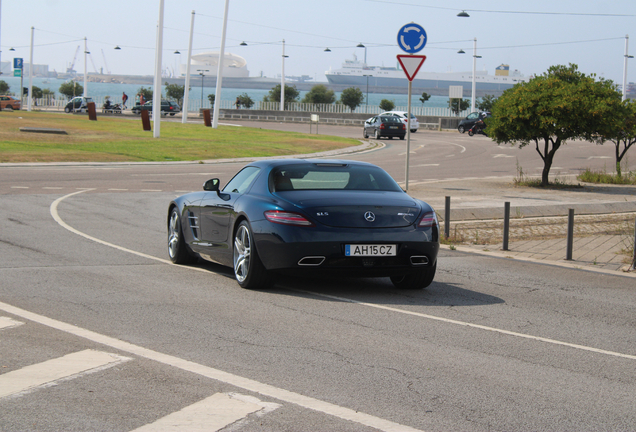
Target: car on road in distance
(307, 217)
(78, 104)
(471, 119)
(9, 102)
(167, 107)
(403, 116)
(384, 126)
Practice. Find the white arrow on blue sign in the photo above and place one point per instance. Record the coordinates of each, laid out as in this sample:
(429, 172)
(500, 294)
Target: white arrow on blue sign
(411, 38)
(17, 63)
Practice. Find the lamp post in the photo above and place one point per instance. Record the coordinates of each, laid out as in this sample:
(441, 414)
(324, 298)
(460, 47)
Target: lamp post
(475, 57)
(627, 57)
(202, 73)
(186, 90)
(367, 90)
(360, 45)
(282, 81)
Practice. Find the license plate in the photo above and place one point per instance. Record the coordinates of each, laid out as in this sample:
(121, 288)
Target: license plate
(370, 250)
(393, 127)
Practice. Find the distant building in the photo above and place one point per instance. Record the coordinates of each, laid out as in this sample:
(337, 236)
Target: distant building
(233, 66)
(38, 70)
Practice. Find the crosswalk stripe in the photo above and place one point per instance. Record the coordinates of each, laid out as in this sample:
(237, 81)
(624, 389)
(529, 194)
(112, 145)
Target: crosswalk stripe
(6, 322)
(51, 371)
(210, 414)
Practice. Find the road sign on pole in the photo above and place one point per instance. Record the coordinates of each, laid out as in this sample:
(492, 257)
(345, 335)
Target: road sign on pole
(411, 38)
(17, 63)
(411, 64)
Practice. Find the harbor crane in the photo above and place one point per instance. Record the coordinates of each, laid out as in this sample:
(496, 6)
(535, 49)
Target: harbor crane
(71, 69)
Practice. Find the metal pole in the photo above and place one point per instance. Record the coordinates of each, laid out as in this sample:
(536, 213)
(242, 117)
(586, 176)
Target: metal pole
(634, 259)
(219, 73)
(30, 96)
(186, 91)
(156, 93)
(625, 68)
(570, 240)
(86, 69)
(408, 137)
(201, 73)
(1, 33)
(282, 81)
(506, 228)
(447, 217)
(472, 100)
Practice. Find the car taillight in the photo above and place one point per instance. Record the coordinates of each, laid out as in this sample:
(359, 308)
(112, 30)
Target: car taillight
(287, 218)
(382, 126)
(428, 220)
(403, 126)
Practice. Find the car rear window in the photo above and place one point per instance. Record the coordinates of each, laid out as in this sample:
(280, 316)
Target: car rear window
(328, 176)
(390, 119)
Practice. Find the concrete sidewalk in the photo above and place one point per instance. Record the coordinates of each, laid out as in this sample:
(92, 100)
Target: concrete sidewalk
(604, 221)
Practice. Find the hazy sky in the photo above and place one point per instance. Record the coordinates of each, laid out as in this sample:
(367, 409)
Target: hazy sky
(529, 36)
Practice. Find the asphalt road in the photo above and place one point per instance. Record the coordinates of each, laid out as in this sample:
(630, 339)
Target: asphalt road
(99, 332)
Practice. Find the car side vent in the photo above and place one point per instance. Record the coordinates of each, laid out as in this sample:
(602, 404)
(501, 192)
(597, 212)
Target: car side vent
(193, 221)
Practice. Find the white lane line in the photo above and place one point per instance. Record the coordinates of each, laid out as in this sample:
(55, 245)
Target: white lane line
(115, 189)
(502, 156)
(432, 317)
(215, 374)
(52, 187)
(210, 414)
(19, 187)
(6, 322)
(151, 190)
(53, 371)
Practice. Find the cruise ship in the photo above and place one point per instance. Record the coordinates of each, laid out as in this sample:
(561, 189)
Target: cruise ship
(353, 73)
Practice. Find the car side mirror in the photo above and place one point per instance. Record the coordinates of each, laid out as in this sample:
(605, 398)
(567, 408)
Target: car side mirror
(211, 185)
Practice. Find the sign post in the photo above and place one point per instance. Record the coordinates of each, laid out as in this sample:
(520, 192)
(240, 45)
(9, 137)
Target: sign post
(18, 65)
(411, 39)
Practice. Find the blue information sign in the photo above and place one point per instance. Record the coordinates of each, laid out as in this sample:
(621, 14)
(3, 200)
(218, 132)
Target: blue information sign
(411, 38)
(17, 63)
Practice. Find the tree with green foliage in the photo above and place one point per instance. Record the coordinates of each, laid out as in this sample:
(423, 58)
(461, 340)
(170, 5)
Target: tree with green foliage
(70, 89)
(424, 98)
(458, 105)
(146, 93)
(246, 101)
(291, 94)
(37, 92)
(319, 94)
(562, 104)
(175, 92)
(47, 92)
(386, 105)
(622, 132)
(211, 99)
(486, 103)
(352, 97)
(4, 87)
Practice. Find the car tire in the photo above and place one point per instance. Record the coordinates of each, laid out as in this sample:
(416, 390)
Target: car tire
(390, 137)
(67, 110)
(177, 249)
(364, 133)
(172, 114)
(413, 130)
(461, 129)
(9, 107)
(471, 133)
(377, 134)
(418, 280)
(248, 268)
(401, 137)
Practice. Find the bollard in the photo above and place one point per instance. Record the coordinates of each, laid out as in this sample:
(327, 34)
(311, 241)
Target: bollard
(447, 217)
(506, 228)
(634, 259)
(570, 242)
(145, 120)
(207, 118)
(92, 112)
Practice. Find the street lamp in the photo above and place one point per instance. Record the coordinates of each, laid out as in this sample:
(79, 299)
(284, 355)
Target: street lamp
(463, 14)
(202, 73)
(367, 90)
(627, 57)
(282, 81)
(475, 57)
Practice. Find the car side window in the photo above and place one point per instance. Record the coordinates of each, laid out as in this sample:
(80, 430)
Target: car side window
(242, 181)
(472, 116)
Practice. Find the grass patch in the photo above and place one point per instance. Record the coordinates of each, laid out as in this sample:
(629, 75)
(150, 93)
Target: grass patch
(122, 139)
(522, 180)
(602, 176)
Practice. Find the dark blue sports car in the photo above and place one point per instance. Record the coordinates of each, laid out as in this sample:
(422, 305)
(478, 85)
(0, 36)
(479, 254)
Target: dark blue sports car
(303, 216)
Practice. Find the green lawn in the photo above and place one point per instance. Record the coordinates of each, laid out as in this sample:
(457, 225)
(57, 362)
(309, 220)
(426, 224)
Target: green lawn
(120, 139)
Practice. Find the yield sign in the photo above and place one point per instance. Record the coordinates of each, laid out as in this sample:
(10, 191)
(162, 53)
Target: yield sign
(411, 64)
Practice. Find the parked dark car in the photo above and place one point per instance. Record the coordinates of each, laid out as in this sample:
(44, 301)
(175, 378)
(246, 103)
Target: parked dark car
(167, 107)
(471, 119)
(307, 217)
(384, 126)
(78, 104)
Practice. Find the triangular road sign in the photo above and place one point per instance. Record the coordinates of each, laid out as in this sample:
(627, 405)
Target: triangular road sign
(411, 64)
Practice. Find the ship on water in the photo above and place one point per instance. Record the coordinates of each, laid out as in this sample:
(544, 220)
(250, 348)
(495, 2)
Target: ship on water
(355, 73)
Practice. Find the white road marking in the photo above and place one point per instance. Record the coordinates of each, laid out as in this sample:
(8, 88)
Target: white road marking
(599, 157)
(52, 187)
(53, 371)
(502, 156)
(151, 190)
(210, 414)
(115, 189)
(19, 187)
(6, 322)
(215, 374)
(425, 165)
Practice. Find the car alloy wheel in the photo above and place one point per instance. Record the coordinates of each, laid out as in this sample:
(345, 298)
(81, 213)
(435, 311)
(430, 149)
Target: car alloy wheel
(177, 249)
(248, 268)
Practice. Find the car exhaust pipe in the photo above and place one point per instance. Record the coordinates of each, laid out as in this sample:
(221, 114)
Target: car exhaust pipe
(311, 261)
(418, 260)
